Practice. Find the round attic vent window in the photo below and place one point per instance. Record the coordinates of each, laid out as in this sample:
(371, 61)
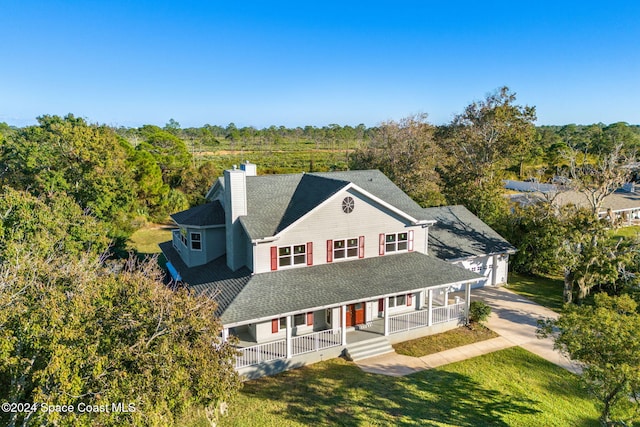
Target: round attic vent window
(347, 205)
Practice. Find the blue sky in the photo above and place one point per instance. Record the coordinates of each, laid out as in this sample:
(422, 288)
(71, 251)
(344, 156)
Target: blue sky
(127, 63)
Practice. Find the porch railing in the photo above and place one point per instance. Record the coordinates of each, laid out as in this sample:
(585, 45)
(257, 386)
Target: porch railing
(308, 343)
(315, 341)
(261, 353)
(448, 312)
(420, 318)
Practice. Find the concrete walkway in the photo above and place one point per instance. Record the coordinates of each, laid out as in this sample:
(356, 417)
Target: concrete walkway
(513, 317)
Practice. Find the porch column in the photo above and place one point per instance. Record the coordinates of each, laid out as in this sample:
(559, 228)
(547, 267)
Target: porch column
(386, 316)
(467, 300)
(289, 347)
(430, 307)
(494, 272)
(225, 334)
(446, 296)
(343, 324)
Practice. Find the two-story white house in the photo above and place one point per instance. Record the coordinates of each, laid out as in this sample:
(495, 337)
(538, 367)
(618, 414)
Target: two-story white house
(306, 267)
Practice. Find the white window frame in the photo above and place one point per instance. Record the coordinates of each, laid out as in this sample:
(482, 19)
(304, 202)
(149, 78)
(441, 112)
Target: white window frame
(346, 248)
(183, 236)
(192, 240)
(395, 244)
(295, 259)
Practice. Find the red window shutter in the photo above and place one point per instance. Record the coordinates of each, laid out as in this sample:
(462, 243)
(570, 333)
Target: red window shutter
(274, 258)
(310, 318)
(361, 247)
(309, 253)
(410, 240)
(329, 250)
(381, 247)
(381, 304)
(409, 299)
(275, 323)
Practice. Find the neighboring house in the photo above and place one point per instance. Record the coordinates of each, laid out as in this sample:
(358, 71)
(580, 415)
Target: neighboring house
(305, 267)
(621, 206)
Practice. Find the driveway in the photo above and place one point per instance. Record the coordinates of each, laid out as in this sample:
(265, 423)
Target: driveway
(515, 319)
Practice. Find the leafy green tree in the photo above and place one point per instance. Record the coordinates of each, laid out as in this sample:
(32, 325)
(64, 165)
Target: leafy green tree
(88, 162)
(74, 332)
(47, 224)
(406, 152)
(479, 144)
(572, 243)
(604, 340)
(170, 153)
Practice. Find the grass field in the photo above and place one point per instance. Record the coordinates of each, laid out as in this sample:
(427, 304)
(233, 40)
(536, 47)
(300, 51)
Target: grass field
(543, 290)
(511, 387)
(145, 241)
(444, 341)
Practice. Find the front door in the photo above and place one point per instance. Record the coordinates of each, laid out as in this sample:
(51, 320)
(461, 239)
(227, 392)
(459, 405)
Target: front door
(355, 314)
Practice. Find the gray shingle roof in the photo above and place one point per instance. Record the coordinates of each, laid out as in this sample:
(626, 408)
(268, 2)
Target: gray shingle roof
(276, 201)
(208, 214)
(460, 234)
(285, 291)
(213, 279)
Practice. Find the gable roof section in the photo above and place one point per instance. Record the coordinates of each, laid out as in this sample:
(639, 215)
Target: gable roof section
(460, 234)
(310, 192)
(299, 289)
(211, 213)
(213, 279)
(274, 202)
(375, 182)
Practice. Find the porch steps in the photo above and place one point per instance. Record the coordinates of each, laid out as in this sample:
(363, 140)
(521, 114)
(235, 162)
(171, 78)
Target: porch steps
(369, 348)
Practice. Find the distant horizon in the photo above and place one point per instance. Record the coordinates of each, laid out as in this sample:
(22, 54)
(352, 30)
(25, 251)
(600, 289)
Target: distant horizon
(240, 125)
(294, 64)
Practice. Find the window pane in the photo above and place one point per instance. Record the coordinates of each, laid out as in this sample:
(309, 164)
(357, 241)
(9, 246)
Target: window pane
(352, 243)
(402, 246)
(299, 249)
(299, 259)
(401, 300)
(285, 261)
(352, 252)
(195, 236)
(196, 245)
(392, 301)
(339, 253)
(299, 319)
(391, 247)
(402, 236)
(283, 323)
(284, 251)
(358, 306)
(391, 238)
(338, 244)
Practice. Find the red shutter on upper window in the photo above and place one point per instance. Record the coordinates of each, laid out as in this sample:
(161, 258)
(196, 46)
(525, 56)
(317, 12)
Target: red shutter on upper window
(409, 299)
(381, 304)
(310, 318)
(381, 247)
(274, 258)
(275, 323)
(410, 240)
(361, 247)
(329, 250)
(309, 253)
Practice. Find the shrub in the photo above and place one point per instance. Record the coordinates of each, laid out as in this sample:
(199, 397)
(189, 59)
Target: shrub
(478, 312)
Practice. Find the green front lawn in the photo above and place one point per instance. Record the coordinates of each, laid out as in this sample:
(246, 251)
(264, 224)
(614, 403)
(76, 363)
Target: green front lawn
(444, 341)
(543, 290)
(511, 387)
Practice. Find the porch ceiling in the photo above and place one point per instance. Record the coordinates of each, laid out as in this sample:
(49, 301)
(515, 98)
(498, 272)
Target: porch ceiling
(267, 295)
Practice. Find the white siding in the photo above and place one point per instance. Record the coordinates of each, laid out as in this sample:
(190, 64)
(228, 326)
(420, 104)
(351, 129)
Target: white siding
(329, 222)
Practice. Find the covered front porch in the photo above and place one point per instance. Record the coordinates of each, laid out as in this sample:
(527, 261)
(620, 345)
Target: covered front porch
(432, 310)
